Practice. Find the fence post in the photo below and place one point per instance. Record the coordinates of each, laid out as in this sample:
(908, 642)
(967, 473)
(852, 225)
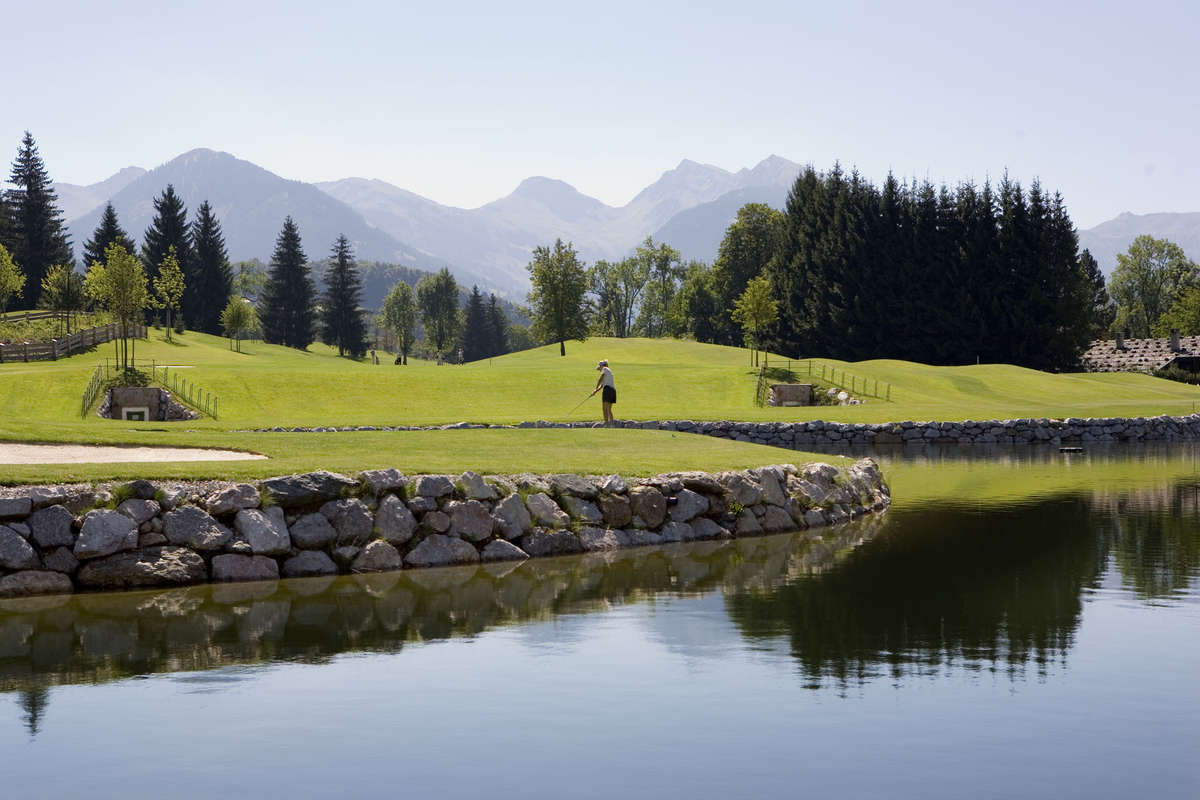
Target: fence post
(25, 345)
(214, 413)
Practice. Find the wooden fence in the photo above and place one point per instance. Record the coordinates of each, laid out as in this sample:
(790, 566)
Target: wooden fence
(65, 345)
(826, 373)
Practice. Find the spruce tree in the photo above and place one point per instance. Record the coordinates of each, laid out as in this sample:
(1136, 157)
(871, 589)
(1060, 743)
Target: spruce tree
(108, 231)
(210, 283)
(286, 305)
(168, 229)
(37, 235)
(341, 321)
(475, 328)
(497, 328)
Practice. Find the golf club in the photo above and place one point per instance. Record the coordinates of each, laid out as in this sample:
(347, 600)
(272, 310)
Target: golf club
(581, 402)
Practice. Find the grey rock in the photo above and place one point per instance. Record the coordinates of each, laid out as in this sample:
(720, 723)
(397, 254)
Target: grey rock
(42, 496)
(140, 489)
(382, 480)
(351, 519)
(676, 532)
(420, 505)
(308, 564)
(307, 490)
(639, 537)
(701, 482)
(543, 542)
(32, 582)
(377, 556)
(615, 510)
(776, 520)
(22, 529)
(434, 486)
(60, 559)
(500, 550)
(439, 550)
(771, 480)
(513, 518)
(688, 506)
(104, 533)
(394, 523)
(568, 484)
(153, 566)
(612, 484)
(151, 538)
(544, 511)
(233, 567)
(190, 526)
(470, 520)
(172, 497)
(814, 518)
(592, 539)
(265, 532)
(435, 521)
(232, 499)
(15, 507)
(582, 510)
(51, 527)
(745, 490)
(649, 504)
(313, 531)
(705, 528)
(475, 488)
(747, 524)
(344, 556)
(15, 552)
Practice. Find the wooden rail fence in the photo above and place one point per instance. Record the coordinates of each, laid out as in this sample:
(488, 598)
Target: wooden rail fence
(64, 346)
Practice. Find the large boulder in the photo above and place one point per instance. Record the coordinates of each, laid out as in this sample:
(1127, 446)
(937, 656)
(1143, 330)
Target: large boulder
(232, 499)
(583, 510)
(677, 532)
(312, 532)
(545, 511)
(575, 485)
(776, 520)
(309, 564)
(265, 531)
(139, 510)
(745, 490)
(151, 566)
(351, 519)
(773, 482)
(307, 490)
(543, 542)
(31, 582)
(377, 556)
(500, 550)
(233, 567)
(439, 550)
(688, 506)
(15, 552)
(104, 533)
(513, 517)
(15, 507)
(382, 480)
(705, 528)
(475, 488)
(51, 527)
(470, 520)
(394, 523)
(433, 486)
(191, 526)
(592, 538)
(60, 559)
(616, 510)
(649, 504)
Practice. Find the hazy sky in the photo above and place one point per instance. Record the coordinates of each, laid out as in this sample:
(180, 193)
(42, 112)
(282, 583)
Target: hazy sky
(459, 102)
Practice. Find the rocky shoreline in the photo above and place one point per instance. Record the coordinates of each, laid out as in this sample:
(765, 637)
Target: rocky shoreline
(1074, 430)
(62, 539)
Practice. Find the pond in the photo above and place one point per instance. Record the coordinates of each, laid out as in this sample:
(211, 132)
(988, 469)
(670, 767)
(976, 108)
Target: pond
(1022, 623)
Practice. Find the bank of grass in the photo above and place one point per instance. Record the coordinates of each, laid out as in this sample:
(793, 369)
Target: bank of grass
(588, 451)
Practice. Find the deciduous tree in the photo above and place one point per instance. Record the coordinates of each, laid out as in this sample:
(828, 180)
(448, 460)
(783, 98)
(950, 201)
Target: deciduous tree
(237, 318)
(400, 316)
(1150, 277)
(170, 287)
(12, 280)
(62, 291)
(560, 282)
(119, 285)
(437, 297)
(755, 311)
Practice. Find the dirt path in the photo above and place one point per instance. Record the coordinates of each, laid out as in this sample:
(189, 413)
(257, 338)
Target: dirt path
(11, 453)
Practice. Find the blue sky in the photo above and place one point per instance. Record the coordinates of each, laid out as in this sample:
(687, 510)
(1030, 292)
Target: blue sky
(460, 101)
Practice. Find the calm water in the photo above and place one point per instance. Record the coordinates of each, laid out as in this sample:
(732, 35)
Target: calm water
(1036, 639)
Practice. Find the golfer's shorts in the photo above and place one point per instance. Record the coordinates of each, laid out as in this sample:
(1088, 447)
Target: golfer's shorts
(609, 395)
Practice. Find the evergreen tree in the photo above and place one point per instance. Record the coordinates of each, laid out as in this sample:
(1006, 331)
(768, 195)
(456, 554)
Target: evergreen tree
(437, 297)
(497, 326)
(7, 223)
(557, 301)
(168, 229)
(475, 337)
(108, 231)
(1103, 309)
(210, 283)
(342, 323)
(286, 306)
(37, 236)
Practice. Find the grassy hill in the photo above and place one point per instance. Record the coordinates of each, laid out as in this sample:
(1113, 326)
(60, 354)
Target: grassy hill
(656, 379)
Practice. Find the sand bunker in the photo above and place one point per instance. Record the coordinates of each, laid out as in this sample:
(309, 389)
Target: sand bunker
(96, 454)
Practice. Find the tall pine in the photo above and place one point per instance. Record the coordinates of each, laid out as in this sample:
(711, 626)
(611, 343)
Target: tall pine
(341, 321)
(475, 328)
(497, 327)
(210, 282)
(169, 228)
(108, 231)
(286, 306)
(37, 237)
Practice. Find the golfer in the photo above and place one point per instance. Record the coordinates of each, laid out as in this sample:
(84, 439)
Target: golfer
(609, 395)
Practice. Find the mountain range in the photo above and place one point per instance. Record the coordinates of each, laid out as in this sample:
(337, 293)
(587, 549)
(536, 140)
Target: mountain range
(688, 207)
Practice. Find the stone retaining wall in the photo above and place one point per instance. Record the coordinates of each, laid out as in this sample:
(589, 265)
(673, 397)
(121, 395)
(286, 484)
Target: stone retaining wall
(818, 432)
(60, 539)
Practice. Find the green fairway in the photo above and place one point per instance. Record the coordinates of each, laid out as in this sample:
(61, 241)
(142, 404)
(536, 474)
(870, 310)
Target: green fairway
(268, 385)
